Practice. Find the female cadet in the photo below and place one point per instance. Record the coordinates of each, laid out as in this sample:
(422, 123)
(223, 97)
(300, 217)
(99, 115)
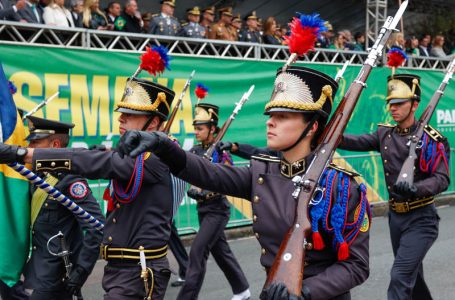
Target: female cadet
(298, 111)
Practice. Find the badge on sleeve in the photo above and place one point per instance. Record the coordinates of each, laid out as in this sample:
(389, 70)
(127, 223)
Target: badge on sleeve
(366, 221)
(78, 190)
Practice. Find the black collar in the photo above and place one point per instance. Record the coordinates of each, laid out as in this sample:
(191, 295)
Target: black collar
(291, 170)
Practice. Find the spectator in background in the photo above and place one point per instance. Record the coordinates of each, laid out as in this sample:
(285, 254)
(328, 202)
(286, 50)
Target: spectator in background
(251, 33)
(284, 31)
(437, 49)
(93, 17)
(146, 19)
(235, 27)
(424, 43)
(219, 30)
(269, 36)
(77, 7)
(208, 17)
(396, 39)
(112, 13)
(32, 12)
(56, 14)
(412, 46)
(9, 12)
(359, 44)
(339, 42)
(278, 33)
(348, 42)
(192, 29)
(325, 38)
(260, 26)
(128, 21)
(165, 23)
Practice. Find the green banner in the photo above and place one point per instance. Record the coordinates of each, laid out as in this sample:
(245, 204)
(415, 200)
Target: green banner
(91, 83)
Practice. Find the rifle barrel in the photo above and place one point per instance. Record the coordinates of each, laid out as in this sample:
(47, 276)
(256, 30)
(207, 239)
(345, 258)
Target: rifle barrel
(288, 265)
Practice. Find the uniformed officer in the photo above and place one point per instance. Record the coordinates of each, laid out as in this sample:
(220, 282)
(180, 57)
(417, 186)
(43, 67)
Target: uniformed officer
(208, 17)
(165, 23)
(298, 111)
(219, 30)
(192, 28)
(413, 220)
(213, 214)
(141, 190)
(235, 27)
(251, 33)
(45, 273)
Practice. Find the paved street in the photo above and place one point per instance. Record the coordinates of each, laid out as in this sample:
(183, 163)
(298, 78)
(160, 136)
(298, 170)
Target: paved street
(439, 266)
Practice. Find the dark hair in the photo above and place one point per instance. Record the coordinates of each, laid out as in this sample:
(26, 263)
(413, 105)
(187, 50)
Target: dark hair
(422, 36)
(111, 4)
(358, 35)
(322, 122)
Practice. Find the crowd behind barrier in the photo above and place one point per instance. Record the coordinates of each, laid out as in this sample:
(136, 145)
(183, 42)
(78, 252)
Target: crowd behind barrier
(207, 24)
(74, 38)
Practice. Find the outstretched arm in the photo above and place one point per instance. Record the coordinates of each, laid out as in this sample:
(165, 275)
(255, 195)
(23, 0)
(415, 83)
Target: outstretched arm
(195, 170)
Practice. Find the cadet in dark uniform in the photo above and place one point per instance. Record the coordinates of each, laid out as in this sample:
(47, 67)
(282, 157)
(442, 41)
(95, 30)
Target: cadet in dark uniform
(213, 213)
(165, 23)
(141, 189)
(45, 273)
(251, 33)
(339, 260)
(413, 220)
(192, 28)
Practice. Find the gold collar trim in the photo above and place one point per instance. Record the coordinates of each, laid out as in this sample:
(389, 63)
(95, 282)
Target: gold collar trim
(404, 131)
(291, 170)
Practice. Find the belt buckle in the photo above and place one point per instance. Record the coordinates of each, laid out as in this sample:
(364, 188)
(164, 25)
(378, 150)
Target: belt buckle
(401, 207)
(103, 251)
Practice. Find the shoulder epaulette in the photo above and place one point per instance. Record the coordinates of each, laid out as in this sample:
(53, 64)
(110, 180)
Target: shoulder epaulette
(341, 169)
(264, 157)
(183, 24)
(433, 133)
(155, 15)
(386, 125)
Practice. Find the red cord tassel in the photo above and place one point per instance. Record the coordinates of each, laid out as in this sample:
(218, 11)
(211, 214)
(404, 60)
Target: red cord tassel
(107, 197)
(318, 242)
(343, 251)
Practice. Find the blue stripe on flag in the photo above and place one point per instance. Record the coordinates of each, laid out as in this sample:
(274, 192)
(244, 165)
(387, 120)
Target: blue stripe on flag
(8, 113)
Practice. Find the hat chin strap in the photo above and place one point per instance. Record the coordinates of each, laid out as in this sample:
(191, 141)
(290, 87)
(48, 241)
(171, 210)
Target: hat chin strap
(149, 120)
(304, 133)
(410, 110)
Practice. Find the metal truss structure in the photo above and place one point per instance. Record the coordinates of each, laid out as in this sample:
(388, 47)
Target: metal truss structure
(13, 33)
(376, 15)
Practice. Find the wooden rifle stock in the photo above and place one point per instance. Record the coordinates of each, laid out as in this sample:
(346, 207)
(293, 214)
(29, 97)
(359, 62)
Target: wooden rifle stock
(407, 170)
(288, 266)
(209, 153)
(167, 128)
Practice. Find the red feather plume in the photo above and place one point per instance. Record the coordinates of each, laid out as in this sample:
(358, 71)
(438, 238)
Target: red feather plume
(152, 62)
(396, 57)
(201, 91)
(302, 39)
